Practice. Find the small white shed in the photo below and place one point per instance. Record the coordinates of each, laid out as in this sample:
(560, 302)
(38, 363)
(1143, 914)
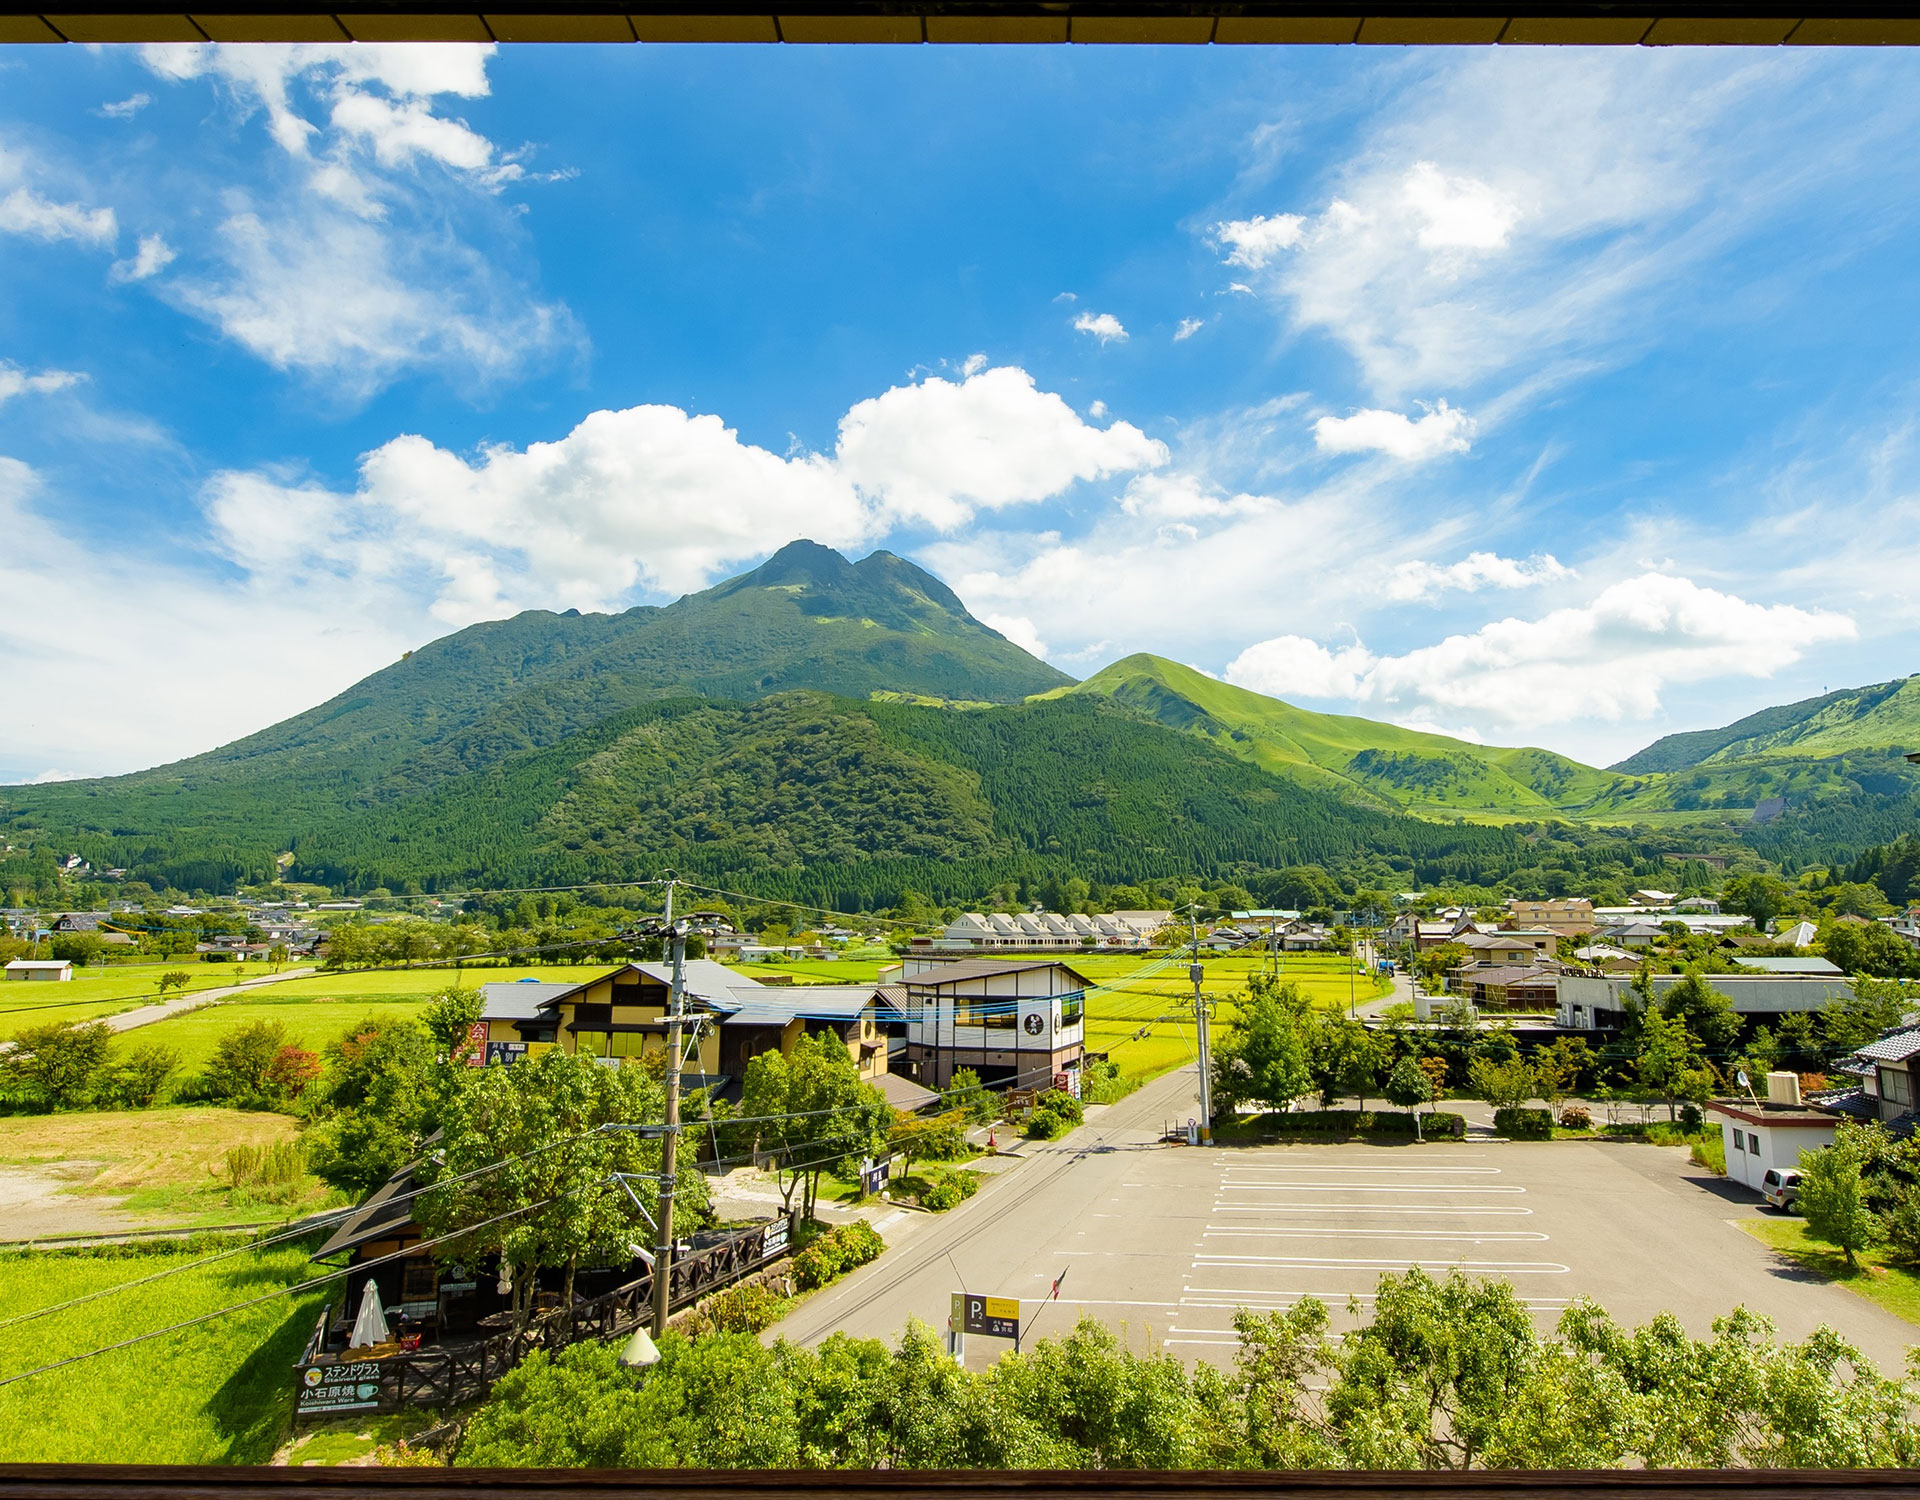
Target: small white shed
(39, 968)
(1771, 1132)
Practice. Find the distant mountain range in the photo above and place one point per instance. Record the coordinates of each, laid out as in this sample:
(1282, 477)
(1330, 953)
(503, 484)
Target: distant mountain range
(849, 727)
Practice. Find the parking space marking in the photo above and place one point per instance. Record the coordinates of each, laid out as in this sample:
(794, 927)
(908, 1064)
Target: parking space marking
(1369, 1187)
(1482, 1209)
(1371, 1263)
(1342, 1231)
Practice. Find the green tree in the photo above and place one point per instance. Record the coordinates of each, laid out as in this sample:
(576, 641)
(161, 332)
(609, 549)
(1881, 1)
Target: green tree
(240, 1072)
(1504, 1085)
(1666, 1059)
(1264, 1060)
(965, 1093)
(1834, 1193)
(1871, 1006)
(173, 979)
(1868, 948)
(1759, 897)
(1708, 1014)
(138, 1079)
(811, 1112)
(1409, 1085)
(60, 1065)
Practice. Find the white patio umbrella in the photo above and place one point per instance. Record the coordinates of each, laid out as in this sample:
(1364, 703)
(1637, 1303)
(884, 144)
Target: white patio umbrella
(370, 1327)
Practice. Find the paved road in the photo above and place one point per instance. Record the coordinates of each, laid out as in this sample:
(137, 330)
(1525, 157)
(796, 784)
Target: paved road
(1169, 1240)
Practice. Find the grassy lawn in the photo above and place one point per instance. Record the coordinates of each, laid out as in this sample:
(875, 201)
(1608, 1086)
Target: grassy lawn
(92, 993)
(218, 1393)
(1894, 1288)
(168, 1162)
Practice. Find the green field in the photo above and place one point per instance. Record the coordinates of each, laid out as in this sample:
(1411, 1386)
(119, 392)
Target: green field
(218, 1393)
(92, 993)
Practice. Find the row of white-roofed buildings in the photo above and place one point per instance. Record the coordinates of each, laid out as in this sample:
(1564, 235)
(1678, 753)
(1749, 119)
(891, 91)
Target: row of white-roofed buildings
(1040, 931)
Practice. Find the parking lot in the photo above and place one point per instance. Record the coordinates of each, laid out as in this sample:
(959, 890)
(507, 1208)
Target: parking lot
(1168, 1240)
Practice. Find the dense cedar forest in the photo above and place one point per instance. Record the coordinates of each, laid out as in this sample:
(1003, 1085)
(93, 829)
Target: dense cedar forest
(840, 732)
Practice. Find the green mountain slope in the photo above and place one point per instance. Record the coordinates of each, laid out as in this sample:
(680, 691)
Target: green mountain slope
(1885, 715)
(806, 618)
(848, 803)
(1378, 764)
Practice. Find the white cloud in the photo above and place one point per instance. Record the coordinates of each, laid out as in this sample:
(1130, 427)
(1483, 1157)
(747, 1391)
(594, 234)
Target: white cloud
(1458, 213)
(15, 381)
(125, 109)
(1419, 580)
(1188, 328)
(1609, 659)
(1103, 326)
(1444, 429)
(366, 266)
(328, 295)
(939, 451)
(25, 212)
(973, 364)
(1291, 666)
(1253, 242)
(153, 257)
(45, 777)
(1018, 629)
(653, 499)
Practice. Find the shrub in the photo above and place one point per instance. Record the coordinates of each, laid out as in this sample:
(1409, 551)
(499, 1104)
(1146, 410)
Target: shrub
(138, 1079)
(950, 1190)
(1690, 1117)
(1524, 1124)
(272, 1172)
(833, 1254)
(1047, 1125)
(57, 1066)
(241, 1070)
(1438, 1126)
(1102, 1084)
(738, 1309)
(1576, 1117)
(1710, 1151)
(1062, 1104)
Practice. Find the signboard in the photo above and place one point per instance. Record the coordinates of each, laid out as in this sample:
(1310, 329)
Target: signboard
(477, 1044)
(995, 1317)
(874, 1175)
(331, 1388)
(1067, 1083)
(773, 1239)
(505, 1052)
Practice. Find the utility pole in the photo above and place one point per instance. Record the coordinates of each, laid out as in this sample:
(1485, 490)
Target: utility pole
(670, 1141)
(1195, 972)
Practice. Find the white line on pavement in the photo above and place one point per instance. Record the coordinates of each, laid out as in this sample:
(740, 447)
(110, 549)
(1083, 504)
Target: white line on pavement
(1287, 1299)
(1363, 1187)
(1303, 1167)
(1335, 1262)
(1341, 1232)
(1363, 1208)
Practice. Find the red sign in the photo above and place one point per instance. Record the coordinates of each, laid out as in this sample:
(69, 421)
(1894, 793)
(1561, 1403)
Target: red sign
(477, 1045)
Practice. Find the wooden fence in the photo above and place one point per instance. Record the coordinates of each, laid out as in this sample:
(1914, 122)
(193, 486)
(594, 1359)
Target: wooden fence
(450, 1376)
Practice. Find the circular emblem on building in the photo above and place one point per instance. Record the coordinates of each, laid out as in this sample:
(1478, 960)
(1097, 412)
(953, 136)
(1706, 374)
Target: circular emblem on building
(1035, 1025)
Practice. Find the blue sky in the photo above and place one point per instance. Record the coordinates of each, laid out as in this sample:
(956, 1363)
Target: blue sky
(1539, 396)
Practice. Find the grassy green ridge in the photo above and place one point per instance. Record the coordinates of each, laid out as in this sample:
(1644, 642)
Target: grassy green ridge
(1377, 764)
(1881, 715)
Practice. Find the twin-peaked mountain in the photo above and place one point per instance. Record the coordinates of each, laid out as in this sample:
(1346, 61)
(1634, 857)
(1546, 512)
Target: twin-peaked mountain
(850, 729)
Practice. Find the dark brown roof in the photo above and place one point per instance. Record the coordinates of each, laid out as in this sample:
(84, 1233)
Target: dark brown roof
(982, 968)
(1766, 1112)
(379, 1218)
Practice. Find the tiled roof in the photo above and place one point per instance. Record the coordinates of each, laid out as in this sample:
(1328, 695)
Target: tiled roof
(1895, 1048)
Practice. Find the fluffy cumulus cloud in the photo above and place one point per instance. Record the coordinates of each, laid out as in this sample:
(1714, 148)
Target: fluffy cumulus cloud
(1442, 430)
(152, 256)
(1253, 242)
(37, 214)
(655, 500)
(1609, 659)
(379, 249)
(1103, 326)
(1420, 580)
(939, 451)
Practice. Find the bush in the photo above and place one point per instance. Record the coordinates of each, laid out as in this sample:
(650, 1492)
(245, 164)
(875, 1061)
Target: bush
(1710, 1151)
(1047, 1125)
(950, 1190)
(138, 1079)
(1690, 1117)
(738, 1309)
(1576, 1117)
(1063, 1104)
(1102, 1084)
(274, 1173)
(1524, 1124)
(831, 1255)
(1346, 1123)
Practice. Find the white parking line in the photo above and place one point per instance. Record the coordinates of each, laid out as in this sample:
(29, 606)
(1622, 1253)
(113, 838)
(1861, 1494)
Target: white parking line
(1336, 1262)
(1365, 1208)
(1341, 1231)
(1367, 1187)
(1195, 1294)
(1303, 1167)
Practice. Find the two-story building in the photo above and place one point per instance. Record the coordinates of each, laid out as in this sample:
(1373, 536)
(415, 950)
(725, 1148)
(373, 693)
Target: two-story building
(1565, 917)
(1014, 1022)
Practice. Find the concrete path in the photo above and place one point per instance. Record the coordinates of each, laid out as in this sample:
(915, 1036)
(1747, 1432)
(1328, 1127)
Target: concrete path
(146, 1015)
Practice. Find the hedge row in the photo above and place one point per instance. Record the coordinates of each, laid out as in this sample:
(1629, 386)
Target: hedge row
(1524, 1124)
(835, 1253)
(1347, 1123)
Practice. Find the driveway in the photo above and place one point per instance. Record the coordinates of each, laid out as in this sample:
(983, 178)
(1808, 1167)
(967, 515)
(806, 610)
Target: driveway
(1166, 1241)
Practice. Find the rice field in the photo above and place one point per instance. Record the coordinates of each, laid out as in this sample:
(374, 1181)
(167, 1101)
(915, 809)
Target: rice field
(93, 993)
(217, 1393)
